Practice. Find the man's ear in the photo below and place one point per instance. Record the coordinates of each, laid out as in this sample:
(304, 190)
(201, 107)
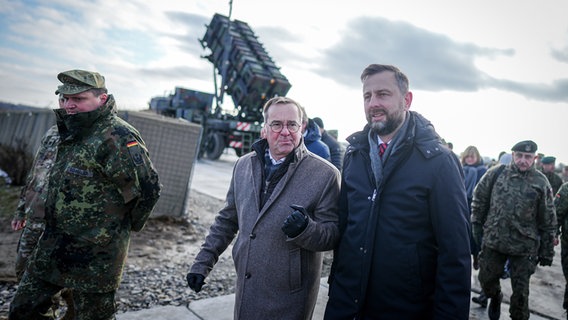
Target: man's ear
(263, 133)
(104, 98)
(407, 100)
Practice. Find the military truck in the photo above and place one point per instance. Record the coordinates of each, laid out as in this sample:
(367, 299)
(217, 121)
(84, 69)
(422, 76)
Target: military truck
(246, 72)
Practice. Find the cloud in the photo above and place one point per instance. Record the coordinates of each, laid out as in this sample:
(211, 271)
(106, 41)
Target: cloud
(276, 41)
(560, 54)
(191, 28)
(433, 62)
(555, 92)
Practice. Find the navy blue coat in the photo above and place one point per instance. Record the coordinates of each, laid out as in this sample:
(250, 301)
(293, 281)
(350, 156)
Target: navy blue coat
(313, 141)
(404, 251)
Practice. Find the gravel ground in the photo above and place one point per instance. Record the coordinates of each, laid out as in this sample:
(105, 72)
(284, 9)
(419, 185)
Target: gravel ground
(160, 257)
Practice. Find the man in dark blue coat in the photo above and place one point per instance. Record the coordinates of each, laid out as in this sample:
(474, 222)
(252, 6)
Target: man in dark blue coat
(335, 149)
(404, 251)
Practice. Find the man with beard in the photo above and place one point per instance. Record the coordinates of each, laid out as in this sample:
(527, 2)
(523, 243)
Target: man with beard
(404, 251)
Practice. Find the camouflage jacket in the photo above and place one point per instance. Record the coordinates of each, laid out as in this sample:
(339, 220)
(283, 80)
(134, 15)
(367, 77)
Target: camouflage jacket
(561, 204)
(102, 186)
(32, 198)
(554, 180)
(516, 213)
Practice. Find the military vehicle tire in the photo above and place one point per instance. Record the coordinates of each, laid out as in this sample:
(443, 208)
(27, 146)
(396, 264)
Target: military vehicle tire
(215, 146)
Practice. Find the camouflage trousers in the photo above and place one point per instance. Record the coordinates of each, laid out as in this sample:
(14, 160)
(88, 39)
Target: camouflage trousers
(28, 240)
(491, 265)
(564, 262)
(33, 300)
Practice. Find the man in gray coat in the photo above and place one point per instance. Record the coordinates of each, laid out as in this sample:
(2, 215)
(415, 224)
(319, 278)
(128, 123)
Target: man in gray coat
(282, 208)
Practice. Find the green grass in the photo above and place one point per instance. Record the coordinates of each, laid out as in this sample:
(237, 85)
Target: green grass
(9, 196)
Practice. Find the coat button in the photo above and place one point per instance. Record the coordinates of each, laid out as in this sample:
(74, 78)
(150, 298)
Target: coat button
(247, 275)
(252, 236)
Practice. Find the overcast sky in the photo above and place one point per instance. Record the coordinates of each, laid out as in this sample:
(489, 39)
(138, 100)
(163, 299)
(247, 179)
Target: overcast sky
(486, 73)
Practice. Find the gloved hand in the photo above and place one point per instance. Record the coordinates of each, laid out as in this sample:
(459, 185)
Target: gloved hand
(296, 222)
(195, 281)
(542, 261)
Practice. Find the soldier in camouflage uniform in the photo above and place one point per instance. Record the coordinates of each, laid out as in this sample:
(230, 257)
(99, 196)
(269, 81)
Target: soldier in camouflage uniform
(29, 214)
(517, 220)
(101, 187)
(561, 204)
(31, 207)
(548, 167)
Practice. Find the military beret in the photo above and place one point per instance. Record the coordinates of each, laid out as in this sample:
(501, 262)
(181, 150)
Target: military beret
(77, 81)
(548, 160)
(527, 146)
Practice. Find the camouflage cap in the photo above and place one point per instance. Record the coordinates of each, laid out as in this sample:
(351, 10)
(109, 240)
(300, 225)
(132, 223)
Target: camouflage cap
(548, 160)
(527, 146)
(77, 81)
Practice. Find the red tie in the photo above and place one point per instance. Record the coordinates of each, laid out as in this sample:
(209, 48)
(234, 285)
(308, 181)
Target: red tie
(382, 148)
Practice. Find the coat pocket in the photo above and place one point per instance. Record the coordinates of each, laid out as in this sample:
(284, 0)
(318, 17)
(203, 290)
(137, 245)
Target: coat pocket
(295, 260)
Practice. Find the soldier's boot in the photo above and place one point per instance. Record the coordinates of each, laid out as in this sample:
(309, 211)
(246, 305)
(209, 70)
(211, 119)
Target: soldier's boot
(481, 299)
(494, 310)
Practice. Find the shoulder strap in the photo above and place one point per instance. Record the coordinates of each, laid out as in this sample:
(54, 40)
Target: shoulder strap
(495, 176)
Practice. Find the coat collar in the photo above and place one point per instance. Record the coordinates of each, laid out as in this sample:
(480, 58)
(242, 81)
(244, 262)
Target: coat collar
(75, 126)
(260, 146)
(419, 132)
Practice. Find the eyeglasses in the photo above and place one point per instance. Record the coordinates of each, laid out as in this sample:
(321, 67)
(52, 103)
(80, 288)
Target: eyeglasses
(278, 126)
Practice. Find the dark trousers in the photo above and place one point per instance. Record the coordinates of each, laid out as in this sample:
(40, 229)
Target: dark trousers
(33, 299)
(491, 265)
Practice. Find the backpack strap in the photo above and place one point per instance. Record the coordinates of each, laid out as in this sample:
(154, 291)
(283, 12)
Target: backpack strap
(495, 176)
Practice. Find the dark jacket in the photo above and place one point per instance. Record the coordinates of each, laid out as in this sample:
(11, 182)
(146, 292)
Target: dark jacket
(313, 142)
(404, 251)
(554, 180)
(335, 149)
(472, 176)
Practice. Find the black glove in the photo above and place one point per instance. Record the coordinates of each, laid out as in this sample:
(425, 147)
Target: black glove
(296, 222)
(195, 281)
(544, 261)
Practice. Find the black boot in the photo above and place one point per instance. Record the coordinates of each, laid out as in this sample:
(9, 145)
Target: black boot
(494, 310)
(481, 299)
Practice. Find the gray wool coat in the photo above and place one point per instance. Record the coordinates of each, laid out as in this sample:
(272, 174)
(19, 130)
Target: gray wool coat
(277, 277)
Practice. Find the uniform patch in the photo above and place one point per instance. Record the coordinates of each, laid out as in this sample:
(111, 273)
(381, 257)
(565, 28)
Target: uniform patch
(135, 152)
(79, 172)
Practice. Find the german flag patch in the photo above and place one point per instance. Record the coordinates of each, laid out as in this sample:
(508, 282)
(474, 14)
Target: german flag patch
(135, 152)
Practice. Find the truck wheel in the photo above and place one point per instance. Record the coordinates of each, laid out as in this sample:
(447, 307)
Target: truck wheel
(215, 146)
